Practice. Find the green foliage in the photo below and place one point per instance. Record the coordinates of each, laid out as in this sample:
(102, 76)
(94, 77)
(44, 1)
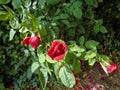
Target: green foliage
(66, 76)
(91, 44)
(3, 88)
(11, 34)
(4, 1)
(86, 26)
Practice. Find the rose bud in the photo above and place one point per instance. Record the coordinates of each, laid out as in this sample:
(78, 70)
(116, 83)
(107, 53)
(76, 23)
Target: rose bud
(34, 41)
(57, 50)
(112, 68)
(26, 40)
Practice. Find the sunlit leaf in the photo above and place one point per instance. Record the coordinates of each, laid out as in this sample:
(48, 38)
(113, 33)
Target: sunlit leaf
(34, 66)
(11, 34)
(16, 3)
(66, 76)
(103, 29)
(91, 44)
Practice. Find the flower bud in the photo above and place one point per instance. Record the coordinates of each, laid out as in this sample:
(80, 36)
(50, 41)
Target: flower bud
(26, 40)
(34, 41)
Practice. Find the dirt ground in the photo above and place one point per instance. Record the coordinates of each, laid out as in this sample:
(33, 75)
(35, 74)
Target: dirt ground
(110, 82)
(97, 75)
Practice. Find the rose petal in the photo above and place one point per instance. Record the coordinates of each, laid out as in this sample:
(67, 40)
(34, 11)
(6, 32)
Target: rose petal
(26, 40)
(112, 68)
(57, 50)
(59, 57)
(34, 41)
(87, 87)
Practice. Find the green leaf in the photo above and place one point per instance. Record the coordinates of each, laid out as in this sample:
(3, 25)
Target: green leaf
(76, 66)
(27, 3)
(95, 3)
(100, 1)
(42, 30)
(76, 48)
(96, 28)
(34, 66)
(77, 13)
(16, 3)
(57, 67)
(91, 54)
(66, 22)
(41, 57)
(4, 1)
(11, 34)
(40, 49)
(99, 22)
(81, 40)
(75, 9)
(89, 2)
(91, 61)
(103, 29)
(77, 4)
(66, 76)
(43, 77)
(104, 57)
(64, 16)
(53, 34)
(10, 11)
(41, 3)
(48, 59)
(53, 2)
(71, 32)
(91, 44)
(4, 15)
(14, 23)
(26, 52)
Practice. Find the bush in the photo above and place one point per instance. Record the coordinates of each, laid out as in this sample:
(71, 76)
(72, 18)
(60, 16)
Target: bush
(43, 41)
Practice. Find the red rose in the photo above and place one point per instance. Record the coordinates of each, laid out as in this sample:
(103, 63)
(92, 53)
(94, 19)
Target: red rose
(26, 40)
(34, 41)
(112, 67)
(57, 50)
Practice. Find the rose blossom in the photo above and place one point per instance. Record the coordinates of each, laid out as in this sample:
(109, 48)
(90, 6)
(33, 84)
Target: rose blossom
(34, 41)
(57, 50)
(112, 67)
(26, 40)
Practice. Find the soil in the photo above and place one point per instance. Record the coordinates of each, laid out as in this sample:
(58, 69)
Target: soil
(96, 75)
(110, 82)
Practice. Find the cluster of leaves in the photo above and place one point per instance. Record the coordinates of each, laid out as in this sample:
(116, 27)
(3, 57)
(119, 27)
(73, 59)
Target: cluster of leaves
(80, 23)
